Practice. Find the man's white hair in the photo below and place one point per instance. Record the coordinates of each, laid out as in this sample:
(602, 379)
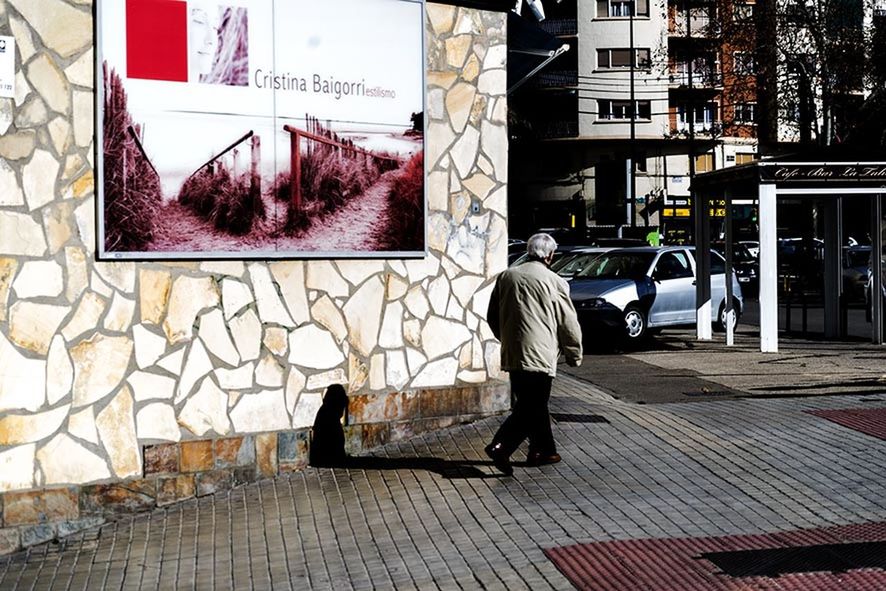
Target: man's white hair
(541, 245)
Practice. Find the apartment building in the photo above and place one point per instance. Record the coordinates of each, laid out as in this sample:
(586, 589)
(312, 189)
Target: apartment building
(693, 83)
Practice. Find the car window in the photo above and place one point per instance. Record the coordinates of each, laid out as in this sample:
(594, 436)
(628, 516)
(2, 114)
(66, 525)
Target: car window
(673, 265)
(575, 265)
(618, 265)
(718, 264)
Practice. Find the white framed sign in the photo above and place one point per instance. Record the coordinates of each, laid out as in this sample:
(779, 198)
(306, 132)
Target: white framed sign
(260, 128)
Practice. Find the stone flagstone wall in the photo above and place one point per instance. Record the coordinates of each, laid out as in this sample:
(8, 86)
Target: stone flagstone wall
(180, 379)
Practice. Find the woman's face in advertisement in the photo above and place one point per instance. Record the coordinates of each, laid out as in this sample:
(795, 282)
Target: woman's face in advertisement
(203, 40)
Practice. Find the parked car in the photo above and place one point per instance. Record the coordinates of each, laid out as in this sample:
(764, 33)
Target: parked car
(745, 265)
(753, 247)
(636, 290)
(563, 250)
(572, 263)
(516, 249)
(856, 266)
(869, 286)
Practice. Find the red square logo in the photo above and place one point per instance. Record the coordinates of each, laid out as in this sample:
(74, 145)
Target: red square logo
(157, 40)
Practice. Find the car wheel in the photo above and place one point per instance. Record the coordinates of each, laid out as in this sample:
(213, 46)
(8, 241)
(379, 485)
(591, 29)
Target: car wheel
(720, 324)
(635, 324)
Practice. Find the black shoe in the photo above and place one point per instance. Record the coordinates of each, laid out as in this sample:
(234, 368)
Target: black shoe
(537, 458)
(501, 460)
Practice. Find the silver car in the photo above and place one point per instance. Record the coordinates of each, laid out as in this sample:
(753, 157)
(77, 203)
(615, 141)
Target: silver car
(635, 290)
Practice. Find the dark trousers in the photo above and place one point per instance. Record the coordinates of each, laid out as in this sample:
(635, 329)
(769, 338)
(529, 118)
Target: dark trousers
(529, 416)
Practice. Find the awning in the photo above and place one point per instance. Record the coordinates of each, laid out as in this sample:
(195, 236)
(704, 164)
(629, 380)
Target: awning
(529, 50)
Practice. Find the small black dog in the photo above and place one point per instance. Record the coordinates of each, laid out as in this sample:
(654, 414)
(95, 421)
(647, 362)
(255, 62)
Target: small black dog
(328, 441)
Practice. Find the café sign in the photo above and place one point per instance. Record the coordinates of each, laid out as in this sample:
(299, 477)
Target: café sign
(801, 172)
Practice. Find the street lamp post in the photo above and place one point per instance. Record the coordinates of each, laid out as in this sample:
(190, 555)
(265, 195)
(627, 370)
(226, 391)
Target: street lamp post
(632, 175)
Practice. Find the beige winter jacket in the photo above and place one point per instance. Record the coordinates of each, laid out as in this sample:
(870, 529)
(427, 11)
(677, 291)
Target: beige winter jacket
(531, 314)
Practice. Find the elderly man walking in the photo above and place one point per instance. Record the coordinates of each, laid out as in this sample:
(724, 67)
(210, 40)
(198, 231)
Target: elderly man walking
(531, 314)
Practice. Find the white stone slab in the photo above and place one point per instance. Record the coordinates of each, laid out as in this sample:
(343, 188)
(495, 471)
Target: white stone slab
(197, 365)
(322, 380)
(325, 312)
(189, 296)
(414, 360)
(270, 307)
(236, 295)
(363, 316)
(206, 411)
(119, 275)
(149, 347)
(313, 347)
(11, 194)
(417, 302)
(214, 334)
(236, 379)
(86, 316)
(306, 410)
(16, 429)
(437, 373)
(173, 362)
(269, 373)
(246, 330)
(116, 429)
(157, 421)
(22, 380)
(21, 235)
(82, 425)
(256, 413)
(391, 335)
(290, 276)
(32, 326)
(38, 179)
(119, 317)
(323, 276)
(59, 371)
(17, 467)
(396, 371)
(295, 383)
(100, 364)
(149, 386)
(64, 461)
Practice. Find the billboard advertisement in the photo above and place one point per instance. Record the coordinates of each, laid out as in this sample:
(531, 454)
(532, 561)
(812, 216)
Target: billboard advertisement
(260, 129)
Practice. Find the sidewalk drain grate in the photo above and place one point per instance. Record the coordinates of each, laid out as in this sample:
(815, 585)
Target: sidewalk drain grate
(821, 559)
(870, 421)
(572, 418)
(694, 393)
(774, 562)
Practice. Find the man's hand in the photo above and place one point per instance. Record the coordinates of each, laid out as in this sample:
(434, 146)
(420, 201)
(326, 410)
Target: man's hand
(576, 362)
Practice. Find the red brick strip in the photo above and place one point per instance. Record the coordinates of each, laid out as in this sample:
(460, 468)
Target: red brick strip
(870, 421)
(677, 564)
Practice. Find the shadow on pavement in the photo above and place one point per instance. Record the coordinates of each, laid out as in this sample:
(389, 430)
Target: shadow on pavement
(450, 469)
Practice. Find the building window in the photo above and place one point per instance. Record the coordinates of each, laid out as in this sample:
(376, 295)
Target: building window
(743, 63)
(611, 110)
(621, 58)
(744, 158)
(743, 11)
(745, 113)
(621, 8)
(705, 116)
(704, 163)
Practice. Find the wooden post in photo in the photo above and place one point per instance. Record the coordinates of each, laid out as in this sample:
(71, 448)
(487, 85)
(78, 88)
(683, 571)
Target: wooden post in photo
(295, 170)
(254, 173)
(235, 156)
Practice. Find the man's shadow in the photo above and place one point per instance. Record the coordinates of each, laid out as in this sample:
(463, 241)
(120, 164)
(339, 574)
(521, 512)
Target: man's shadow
(328, 447)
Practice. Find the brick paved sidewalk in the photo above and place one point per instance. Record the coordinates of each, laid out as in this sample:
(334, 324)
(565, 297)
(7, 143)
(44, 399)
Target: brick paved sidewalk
(432, 513)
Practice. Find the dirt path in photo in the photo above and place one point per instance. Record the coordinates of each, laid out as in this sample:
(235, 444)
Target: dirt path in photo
(356, 227)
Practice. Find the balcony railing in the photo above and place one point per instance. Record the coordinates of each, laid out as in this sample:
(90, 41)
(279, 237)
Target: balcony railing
(560, 26)
(555, 129)
(556, 78)
(700, 79)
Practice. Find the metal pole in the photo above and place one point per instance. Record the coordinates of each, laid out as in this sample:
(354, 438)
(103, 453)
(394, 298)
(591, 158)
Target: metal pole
(768, 270)
(295, 172)
(876, 270)
(730, 313)
(632, 177)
